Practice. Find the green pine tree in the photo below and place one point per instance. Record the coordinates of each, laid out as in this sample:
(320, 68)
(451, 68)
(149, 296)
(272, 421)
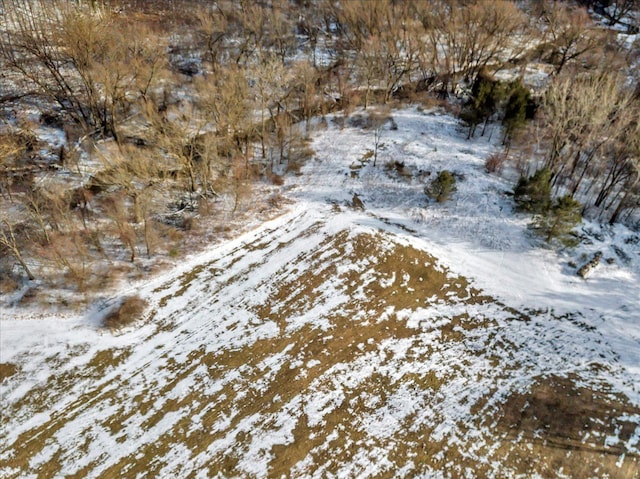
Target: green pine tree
(515, 111)
(486, 94)
(560, 220)
(533, 194)
(441, 188)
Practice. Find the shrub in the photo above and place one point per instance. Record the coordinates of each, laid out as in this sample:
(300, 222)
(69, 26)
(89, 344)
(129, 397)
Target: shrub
(277, 180)
(367, 156)
(441, 188)
(303, 153)
(8, 284)
(190, 222)
(128, 311)
(398, 167)
(276, 200)
(495, 162)
(294, 167)
(533, 194)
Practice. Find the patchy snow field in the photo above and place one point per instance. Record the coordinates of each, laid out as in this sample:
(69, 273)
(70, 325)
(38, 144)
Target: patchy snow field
(404, 339)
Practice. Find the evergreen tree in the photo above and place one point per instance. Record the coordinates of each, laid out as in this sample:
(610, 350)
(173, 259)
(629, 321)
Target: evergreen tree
(533, 194)
(442, 187)
(515, 111)
(559, 221)
(486, 94)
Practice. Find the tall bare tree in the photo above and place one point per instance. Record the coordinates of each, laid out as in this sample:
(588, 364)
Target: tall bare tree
(466, 38)
(569, 34)
(86, 60)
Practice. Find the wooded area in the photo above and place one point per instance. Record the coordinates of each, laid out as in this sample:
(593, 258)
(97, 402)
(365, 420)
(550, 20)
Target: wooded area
(170, 115)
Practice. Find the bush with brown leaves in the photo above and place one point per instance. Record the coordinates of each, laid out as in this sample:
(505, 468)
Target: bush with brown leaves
(127, 312)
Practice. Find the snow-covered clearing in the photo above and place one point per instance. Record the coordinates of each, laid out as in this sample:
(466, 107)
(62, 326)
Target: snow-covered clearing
(406, 339)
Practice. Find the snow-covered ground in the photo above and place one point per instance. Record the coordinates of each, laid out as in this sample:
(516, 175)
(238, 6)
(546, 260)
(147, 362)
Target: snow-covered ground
(477, 234)
(333, 341)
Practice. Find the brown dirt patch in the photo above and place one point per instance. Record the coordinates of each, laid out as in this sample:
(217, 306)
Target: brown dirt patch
(559, 424)
(7, 370)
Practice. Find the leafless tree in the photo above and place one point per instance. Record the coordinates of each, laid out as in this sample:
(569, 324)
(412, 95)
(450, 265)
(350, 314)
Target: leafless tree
(569, 34)
(87, 60)
(11, 242)
(466, 38)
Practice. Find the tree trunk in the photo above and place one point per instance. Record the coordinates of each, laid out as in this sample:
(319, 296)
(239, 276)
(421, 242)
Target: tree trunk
(25, 268)
(623, 202)
(11, 244)
(619, 208)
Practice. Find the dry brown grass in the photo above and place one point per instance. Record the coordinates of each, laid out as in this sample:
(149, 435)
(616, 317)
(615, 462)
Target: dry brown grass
(559, 425)
(8, 284)
(7, 370)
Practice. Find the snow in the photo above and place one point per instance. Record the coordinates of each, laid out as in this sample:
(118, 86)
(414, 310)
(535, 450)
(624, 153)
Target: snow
(209, 304)
(477, 234)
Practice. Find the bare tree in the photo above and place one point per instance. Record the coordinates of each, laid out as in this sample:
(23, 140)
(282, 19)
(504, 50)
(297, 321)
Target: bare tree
(569, 34)
(305, 89)
(376, 121)
(616, 12)
(581, 113)
(132, 172)
(10, 242)
(70, 253)
(270, 80)
(465, 39)
(86, 60)
(622, 178)
(117, 211)
(591, 133)
(212, 30)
